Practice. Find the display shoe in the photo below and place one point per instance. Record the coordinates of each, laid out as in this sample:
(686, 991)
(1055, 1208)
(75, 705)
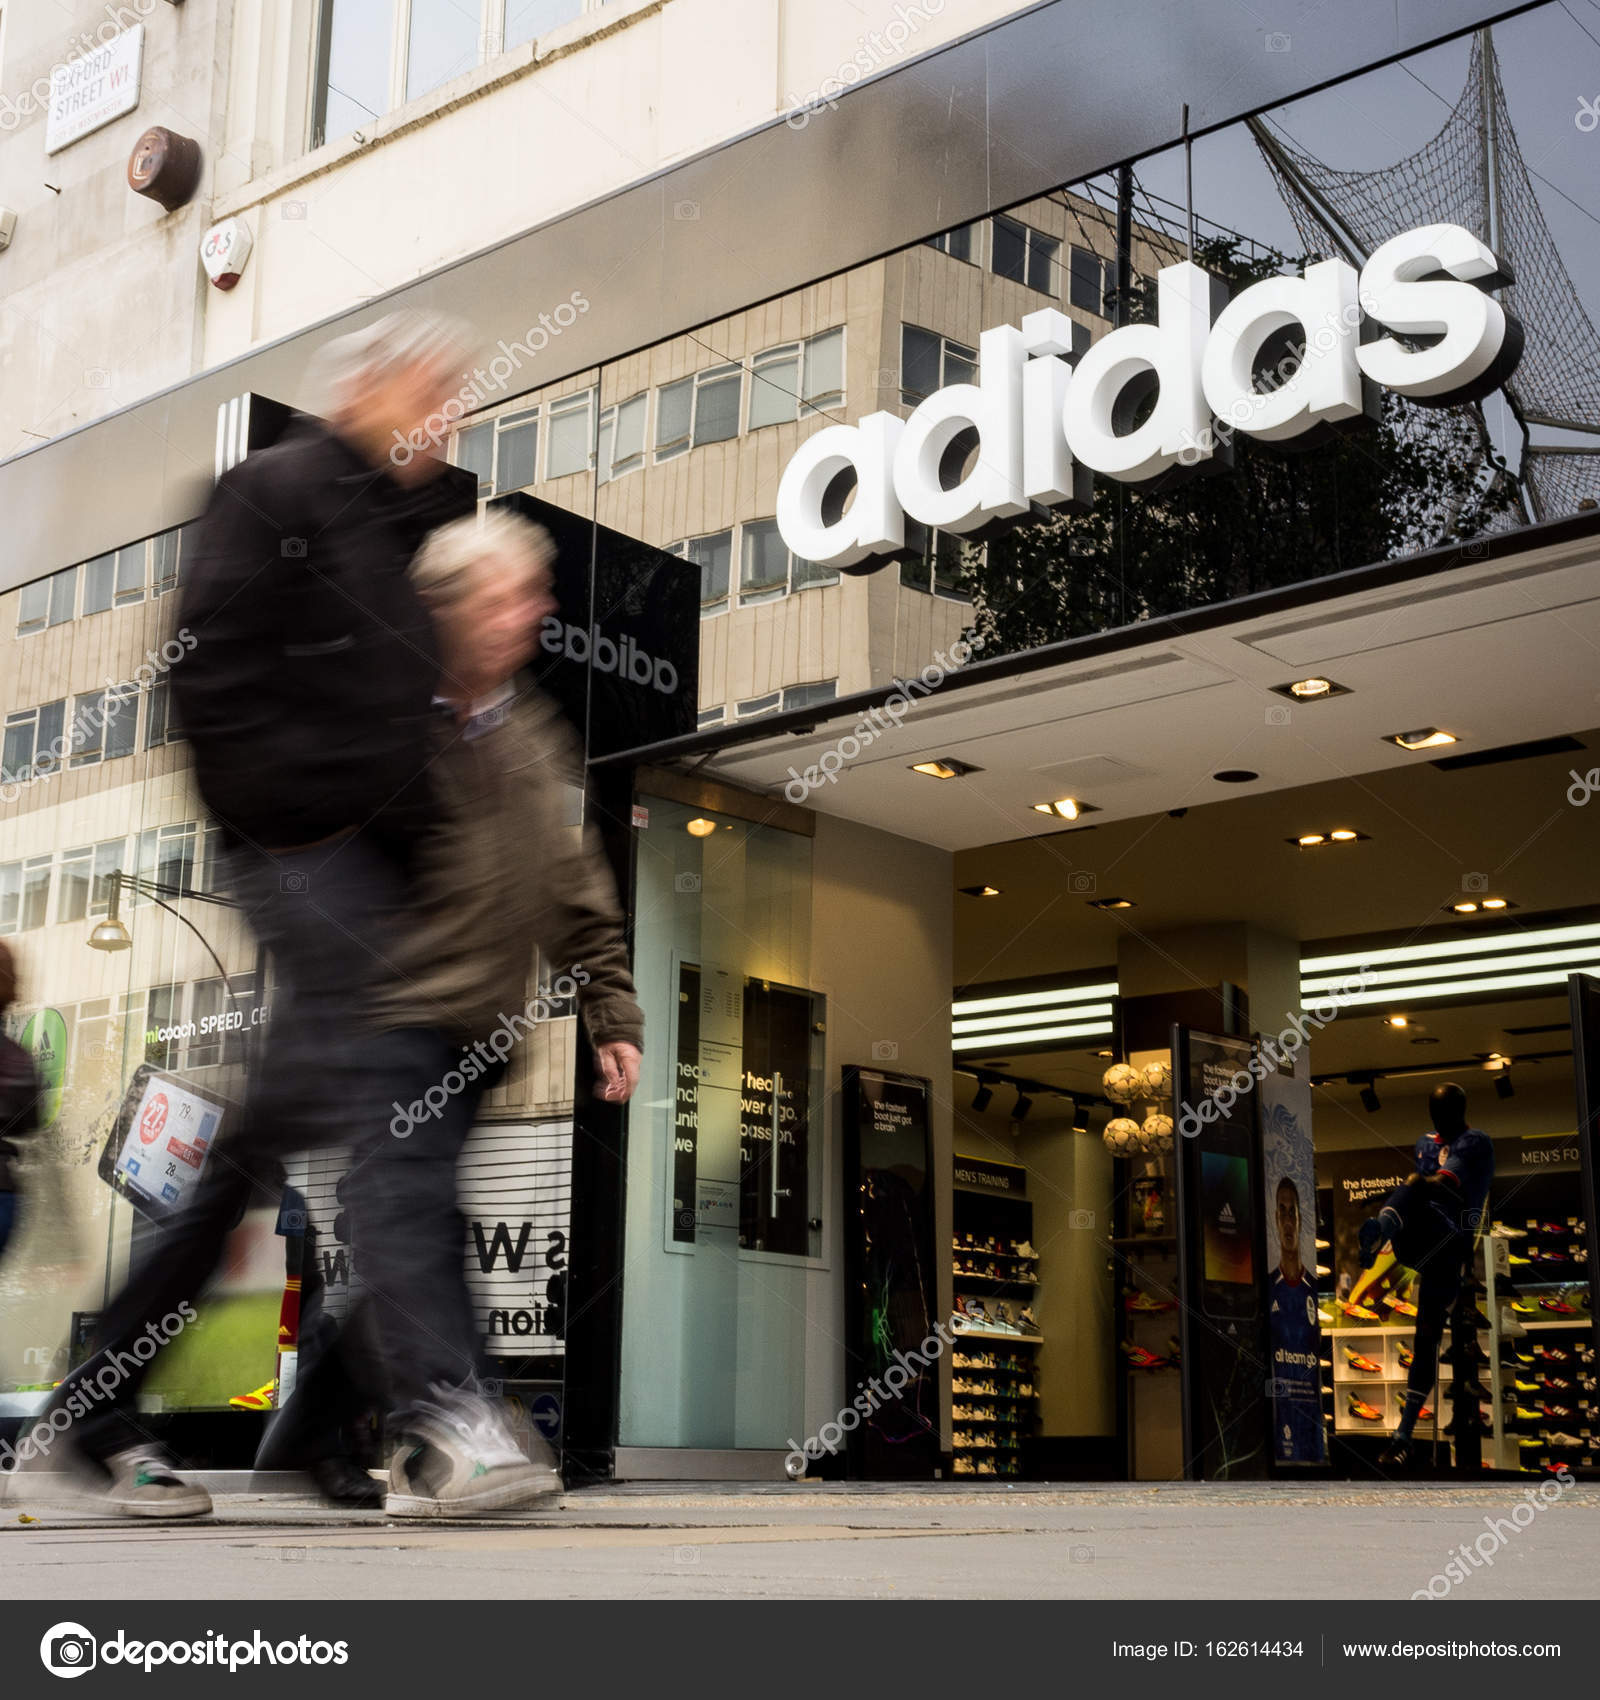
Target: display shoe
(1555, 1227)
(1144, 1304)
(1322, 1245)
(264, 1398)
(1519, 1262)
(1556, 1307)
(1360, 1409)
(1025, 1249)
(1522, 1414)
(1474, 1357)
(1476, 1390)
(1028, 1320)
(1401, 1307)
(1365, 1365)
(1174, 1349)
(1359, 1312)
(1557, 1438)
(1504, 1231)
(1520, 1385)
(1555, 1383)
(1557, 1413)
(1524, 1307)
(1551, 1355)
(1140, 1358)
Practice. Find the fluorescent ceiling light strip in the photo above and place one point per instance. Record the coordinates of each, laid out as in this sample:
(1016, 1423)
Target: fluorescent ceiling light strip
(1578, 955)
(1454, 947)
(1037, 1000)
(996, 1023)
(1005, 1041)
(1464, 988)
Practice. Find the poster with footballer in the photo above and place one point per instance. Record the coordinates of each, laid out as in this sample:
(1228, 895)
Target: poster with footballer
(164, 1133)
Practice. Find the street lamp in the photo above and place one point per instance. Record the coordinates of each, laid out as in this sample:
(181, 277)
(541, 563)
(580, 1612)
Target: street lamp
(112, 933)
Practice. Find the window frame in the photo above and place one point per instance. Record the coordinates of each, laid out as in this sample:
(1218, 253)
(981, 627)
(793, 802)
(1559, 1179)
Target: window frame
(802, 352)
(795, 583)
(610, 423)
(562, 408)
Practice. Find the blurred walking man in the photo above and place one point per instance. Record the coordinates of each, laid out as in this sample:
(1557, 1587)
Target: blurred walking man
(307, 699)
(505, 873)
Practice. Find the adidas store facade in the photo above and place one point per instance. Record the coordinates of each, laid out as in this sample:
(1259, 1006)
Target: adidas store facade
(1084, 636)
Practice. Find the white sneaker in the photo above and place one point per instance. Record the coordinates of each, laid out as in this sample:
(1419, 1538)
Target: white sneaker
(457, 1457)
(144, 1484)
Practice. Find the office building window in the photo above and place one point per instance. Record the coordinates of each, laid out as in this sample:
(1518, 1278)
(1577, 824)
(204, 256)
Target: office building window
(714, 556)
(570, 427)
(24, 894)
(712, 716)
(160, 716)
(104, 725)
(166, 858)
(47, 601)
(503, 452)
(354, 54)
(769, 568)
(622, 438)
(1092, 280)
(965, 242)
(936, 567)
(698, 410)
(805, 696)
(34, 742)
(797, 378)
(929, 362)
(114, 580)
(752, 706)
(83, 883)
(526, 19)
(166, 561)
(1025, 255)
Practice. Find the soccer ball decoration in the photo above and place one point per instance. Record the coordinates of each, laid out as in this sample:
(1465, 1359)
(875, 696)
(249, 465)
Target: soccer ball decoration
(1158, 1079)
(1157, 1132)
(1123, 1083)
(1122, 1137)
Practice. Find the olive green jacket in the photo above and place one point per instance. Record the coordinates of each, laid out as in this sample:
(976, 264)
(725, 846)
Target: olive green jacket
(506, 869)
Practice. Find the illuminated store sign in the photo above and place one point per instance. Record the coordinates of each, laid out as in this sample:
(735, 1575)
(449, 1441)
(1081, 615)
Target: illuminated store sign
(1417, 320)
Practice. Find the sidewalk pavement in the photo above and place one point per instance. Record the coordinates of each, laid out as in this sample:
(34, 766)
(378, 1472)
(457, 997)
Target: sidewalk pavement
(838, 1540)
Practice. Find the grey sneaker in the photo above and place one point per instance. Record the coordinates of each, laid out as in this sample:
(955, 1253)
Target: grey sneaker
(143, 1485)
(457, 1457)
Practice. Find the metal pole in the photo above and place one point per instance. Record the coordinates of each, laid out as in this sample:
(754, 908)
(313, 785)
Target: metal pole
(1124, 240)
(1188, 179)
(1344, 239)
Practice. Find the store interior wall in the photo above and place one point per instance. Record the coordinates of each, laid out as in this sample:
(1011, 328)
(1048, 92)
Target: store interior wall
(882, 951)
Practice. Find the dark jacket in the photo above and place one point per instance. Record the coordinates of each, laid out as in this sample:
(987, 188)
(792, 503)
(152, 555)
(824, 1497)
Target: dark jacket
(506, 869)
(19, 1108)
(311, 664)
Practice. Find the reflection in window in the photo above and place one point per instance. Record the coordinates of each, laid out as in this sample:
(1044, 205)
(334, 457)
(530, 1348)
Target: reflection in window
(1024, 255)
(526, 19)
(356, 41)
(24, 894)
(166, 562)
(782, 378)
(806, 696)
(716, 404)
(516, 451)
(768, 568)
(965, 242)
(161, 720)
(622, 438)
(712, 716)
(714, 555)
(1091, 280)
(674, 416)
(35, 742)
(752, 706)
(929, 362)
(570, 433)
(443, 41)
(936, 567)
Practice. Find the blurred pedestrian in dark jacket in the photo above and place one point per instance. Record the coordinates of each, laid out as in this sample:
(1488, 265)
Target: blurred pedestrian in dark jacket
(306, 695)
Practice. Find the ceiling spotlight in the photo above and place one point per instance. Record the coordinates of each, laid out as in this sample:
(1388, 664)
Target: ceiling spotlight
(1106, 1052)
(1338, 835)
(945, 767)
(1465, 908)
(1496, 1060)
(701, 827)
(1502, 1085)
(1424, 738)
(1312, 690)
(1112, 903)
(1023, 1104)
(1369, 1099)
(1307, 839)
(1398, 1020)
(983, 1096)
(1485, 905)
(1080, 1117)
(1344, 834)
(979, 890)
(1494, 903)
(1066, 808)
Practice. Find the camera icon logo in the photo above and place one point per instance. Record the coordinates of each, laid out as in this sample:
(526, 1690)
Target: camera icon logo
(1474, 882)
(293, 549)
(686, 883)
(68, 1649)
(1081, 1219)
(293, 210)
(686, 211)
(885, 1050)
(1082, 882)
(1277, 42)
(1278, 714)
(97, 378)
(293, 883)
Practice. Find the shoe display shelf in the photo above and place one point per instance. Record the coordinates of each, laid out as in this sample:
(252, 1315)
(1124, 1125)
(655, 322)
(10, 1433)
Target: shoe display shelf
(996, 1283)
(1547, 1407)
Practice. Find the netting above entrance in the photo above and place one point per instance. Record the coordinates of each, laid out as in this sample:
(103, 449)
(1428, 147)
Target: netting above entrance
(1472, 173)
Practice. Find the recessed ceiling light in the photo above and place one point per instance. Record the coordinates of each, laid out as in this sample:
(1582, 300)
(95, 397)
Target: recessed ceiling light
(945, 767)
(1344, 834)
(1397, 1020)
(701, 827)
(1429, 1040)
(1112, 903)
(1235, 775)
(1465, 908)
(1482, 905)
(1066, 808)
(979, 890)
(1494, 903)
(1105, 1053)
(1307, 839)
(1312, 690)
(1424, 738)
(1338, 835)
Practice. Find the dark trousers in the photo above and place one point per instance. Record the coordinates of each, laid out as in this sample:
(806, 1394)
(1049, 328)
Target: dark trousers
(8, 1217)
(325, 915)
(1426, 1239)
(409, 1236)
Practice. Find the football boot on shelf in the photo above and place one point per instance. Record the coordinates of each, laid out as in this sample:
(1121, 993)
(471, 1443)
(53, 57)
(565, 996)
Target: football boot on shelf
(1362, 1411)
(1365, 1365)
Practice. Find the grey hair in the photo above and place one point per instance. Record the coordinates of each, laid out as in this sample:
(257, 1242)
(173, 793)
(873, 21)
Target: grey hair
(343, 367)
(445, 564)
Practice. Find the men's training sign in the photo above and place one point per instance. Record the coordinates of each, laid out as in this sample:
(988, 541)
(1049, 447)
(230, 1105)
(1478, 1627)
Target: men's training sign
(1418, 319)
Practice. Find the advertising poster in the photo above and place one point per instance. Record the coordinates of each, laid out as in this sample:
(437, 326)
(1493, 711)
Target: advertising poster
(1226, 1366)
(775, 1119)
(889, 1275)
(1294, 1335)
(45, 1040)
(158, 1149)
